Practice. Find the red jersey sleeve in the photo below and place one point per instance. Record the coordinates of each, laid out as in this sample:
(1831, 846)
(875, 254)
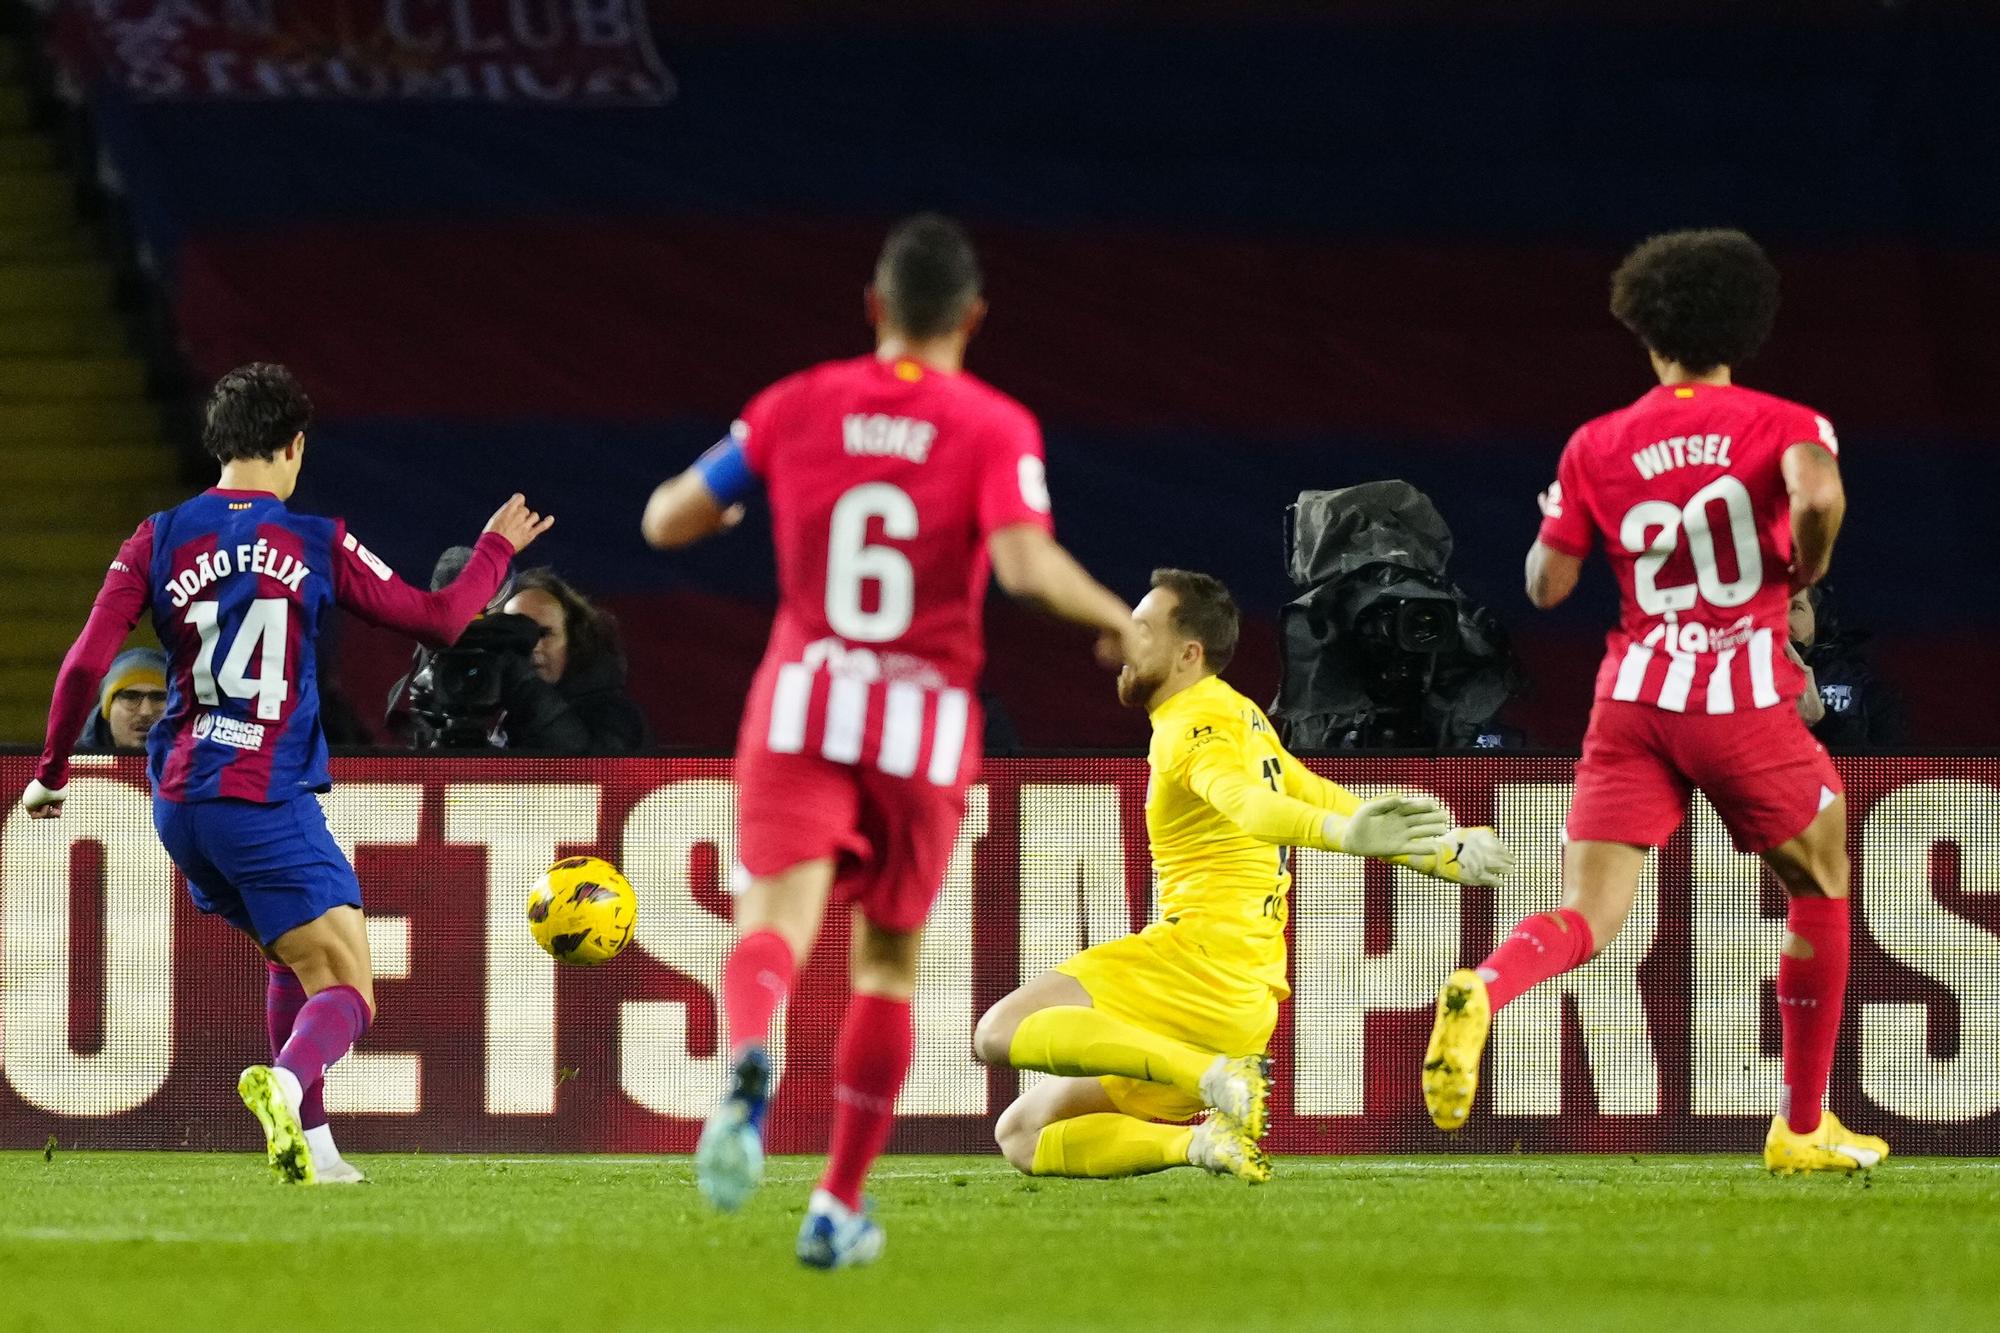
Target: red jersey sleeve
(1566, 524)
(120, 602)
(1809, 427)
(1014, 487)
(367, 587)
(756, 428)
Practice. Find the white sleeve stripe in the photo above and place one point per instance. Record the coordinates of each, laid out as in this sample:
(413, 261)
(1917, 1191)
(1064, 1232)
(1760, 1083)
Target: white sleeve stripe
(948, 738)
(902, 729)
(1722, 683)
(1680, 679)
(1763, 667)
(846, 716)
(790, 698)
(1632, 673)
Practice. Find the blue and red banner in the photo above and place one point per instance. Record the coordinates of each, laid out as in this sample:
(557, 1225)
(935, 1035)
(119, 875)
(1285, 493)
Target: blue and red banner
(1234, 252)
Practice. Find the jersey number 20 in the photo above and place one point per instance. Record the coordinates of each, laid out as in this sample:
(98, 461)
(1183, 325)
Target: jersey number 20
(264, 626)
(1652, 530)
(852, 562)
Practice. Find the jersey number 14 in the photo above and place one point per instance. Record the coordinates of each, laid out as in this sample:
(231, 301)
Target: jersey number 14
(261, 635)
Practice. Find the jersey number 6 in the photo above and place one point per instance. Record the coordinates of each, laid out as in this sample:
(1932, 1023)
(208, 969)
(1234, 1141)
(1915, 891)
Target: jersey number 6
(851, 562)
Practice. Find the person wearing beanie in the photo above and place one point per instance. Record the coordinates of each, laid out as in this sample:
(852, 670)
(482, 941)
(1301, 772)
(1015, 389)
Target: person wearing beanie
(130, 700)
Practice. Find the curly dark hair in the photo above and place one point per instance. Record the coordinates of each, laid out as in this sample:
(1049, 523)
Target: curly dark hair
(253, 412)
(928, 275)
(593, 631)
(1701, 299)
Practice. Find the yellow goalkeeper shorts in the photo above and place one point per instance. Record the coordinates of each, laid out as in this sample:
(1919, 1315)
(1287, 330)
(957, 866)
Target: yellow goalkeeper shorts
(1164, 981)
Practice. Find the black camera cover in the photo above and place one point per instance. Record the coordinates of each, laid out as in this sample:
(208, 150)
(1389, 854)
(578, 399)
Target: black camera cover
(1381, 649)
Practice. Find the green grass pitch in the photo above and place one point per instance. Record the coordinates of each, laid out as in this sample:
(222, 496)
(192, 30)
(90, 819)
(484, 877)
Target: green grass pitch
(157, 1242)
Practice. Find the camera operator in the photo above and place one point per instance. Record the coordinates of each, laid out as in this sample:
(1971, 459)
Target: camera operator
(572, 698)
(1846, 705)
(541, 670)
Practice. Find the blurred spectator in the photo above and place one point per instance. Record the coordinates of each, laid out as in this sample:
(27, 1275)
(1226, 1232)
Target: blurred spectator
(131, 699)
(1845, 703)
(572, 697)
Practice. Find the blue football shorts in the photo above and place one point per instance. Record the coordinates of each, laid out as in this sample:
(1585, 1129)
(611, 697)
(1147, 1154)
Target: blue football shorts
(265, 869)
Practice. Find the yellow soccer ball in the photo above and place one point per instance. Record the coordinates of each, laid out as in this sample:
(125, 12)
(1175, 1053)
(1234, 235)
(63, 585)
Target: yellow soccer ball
(582, 911)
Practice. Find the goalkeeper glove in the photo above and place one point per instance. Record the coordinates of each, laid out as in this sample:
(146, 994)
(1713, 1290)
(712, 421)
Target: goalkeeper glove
(1466, 856)
(1393, 825)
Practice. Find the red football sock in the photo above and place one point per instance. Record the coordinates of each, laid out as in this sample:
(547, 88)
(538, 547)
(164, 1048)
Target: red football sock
(1545, 945)
(755, 981)
(868, 1070)
(1811, 995)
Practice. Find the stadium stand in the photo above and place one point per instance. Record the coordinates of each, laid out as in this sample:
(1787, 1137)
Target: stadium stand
(684, 254)
(81, 455)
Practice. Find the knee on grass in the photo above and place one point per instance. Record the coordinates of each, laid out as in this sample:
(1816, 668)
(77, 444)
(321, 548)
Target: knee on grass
(1016, 1133)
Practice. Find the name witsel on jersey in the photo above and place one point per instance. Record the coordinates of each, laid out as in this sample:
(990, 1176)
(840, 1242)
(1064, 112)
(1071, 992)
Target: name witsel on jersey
(1682, 451)
(262, 558)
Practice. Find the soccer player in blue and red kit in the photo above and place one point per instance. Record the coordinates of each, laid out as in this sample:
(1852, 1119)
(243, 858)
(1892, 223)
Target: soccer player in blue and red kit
(897, 481)
(1713, 502)
(240, 588)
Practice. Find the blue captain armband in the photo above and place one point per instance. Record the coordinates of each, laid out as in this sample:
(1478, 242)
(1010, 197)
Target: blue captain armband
(726, 472)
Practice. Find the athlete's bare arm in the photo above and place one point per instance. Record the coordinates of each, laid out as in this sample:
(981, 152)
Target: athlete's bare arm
(1819, 502)
(1552, 575)
(683, 510)
(1033, 567)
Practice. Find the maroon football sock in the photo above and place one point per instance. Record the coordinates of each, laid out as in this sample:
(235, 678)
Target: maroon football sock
(1811, 994)
(868, 1069)
(283, 998)
(327, 1027)
(1545, 945)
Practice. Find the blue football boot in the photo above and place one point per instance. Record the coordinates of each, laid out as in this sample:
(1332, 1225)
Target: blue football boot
(729, 1160)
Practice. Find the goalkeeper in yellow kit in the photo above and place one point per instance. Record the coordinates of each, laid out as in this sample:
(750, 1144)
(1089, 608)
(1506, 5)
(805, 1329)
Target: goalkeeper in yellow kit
(1152, 1030)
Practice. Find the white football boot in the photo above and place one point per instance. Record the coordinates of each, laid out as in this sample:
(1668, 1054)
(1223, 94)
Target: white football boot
(836, 1236)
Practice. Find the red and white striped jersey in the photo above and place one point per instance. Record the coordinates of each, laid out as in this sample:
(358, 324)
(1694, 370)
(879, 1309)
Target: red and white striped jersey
(885, 480)
(1686, 489)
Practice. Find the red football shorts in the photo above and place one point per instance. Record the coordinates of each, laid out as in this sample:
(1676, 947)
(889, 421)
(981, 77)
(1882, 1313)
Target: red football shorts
(891, 838)
(1762, 771)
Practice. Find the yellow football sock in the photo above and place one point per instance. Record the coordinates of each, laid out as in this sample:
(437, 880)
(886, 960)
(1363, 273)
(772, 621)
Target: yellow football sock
(1105, 1145)
(1080, 1042)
